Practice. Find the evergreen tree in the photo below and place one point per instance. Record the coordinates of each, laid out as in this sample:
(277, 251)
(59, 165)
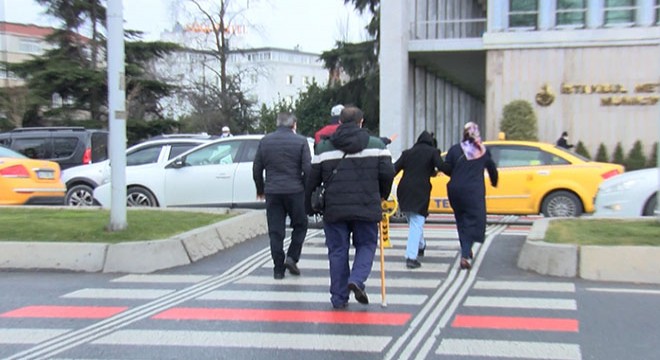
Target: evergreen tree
(653, 157)
(582, 150)
(635, 159)
(601, 154)
(617, 156)
(72, 70)
(519, 121)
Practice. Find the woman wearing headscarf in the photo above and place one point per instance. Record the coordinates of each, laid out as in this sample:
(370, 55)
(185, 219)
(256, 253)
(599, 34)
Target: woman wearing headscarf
(418, 163)
(465, 163)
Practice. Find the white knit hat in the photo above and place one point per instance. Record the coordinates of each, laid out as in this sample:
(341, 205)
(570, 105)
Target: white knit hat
(336, 110)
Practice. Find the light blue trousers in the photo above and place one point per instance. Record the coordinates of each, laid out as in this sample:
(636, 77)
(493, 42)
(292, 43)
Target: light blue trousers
(415, 234)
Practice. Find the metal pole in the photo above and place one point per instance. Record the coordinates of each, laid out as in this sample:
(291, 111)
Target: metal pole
(117, 115)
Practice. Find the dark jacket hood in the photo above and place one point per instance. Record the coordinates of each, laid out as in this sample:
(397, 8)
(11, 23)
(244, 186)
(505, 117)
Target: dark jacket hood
(425, 138)
(350, 138)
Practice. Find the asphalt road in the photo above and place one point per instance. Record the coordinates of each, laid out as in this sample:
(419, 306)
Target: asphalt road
(228, 306)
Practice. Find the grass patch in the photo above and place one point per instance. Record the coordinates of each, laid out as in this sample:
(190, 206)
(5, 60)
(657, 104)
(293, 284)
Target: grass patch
(71, 225)
(604, 232)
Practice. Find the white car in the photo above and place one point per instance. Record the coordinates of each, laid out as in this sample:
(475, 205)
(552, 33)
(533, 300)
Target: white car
(82, 180)
(631, 194)
(214, 174)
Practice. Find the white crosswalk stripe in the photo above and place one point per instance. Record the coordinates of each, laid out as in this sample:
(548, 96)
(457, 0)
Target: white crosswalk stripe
(393, 252)
(521, 303)
(28, 336)
(325, 281)
(262, 340)
(298, 296)
(156, 278)
(95, 293)
(509, 349)
(525, 286)
(390, 266)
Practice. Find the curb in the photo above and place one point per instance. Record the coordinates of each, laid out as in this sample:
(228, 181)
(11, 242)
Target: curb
(634, 264)
(137, 256)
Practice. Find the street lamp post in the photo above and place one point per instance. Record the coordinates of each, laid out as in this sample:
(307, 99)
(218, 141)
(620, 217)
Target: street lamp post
(117, 115)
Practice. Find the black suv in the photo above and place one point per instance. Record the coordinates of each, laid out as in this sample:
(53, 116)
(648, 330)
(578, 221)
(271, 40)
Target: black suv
(68, 146)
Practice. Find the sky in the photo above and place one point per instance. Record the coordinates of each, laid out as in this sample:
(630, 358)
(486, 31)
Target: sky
(313, 25)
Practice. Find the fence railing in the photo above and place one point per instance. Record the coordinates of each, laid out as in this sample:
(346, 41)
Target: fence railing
(448, 29)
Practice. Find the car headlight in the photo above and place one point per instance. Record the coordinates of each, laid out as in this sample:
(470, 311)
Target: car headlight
(622, 186)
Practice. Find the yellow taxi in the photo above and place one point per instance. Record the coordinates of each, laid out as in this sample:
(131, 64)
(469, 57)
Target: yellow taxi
(29, 181)
(534, 178)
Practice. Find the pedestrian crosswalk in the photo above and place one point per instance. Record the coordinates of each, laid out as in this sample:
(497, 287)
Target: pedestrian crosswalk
(245, 308)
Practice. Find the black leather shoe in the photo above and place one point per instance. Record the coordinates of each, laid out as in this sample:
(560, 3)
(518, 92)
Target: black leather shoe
(291, 266)
(278, 275)
(465, 264)
(420, 252)
(413, 263)
(360, 295)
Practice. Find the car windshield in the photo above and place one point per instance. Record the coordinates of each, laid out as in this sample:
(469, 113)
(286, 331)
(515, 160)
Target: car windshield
(572, 153)
(6, 153)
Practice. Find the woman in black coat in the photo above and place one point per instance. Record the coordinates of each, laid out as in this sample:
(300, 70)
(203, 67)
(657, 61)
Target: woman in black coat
(418, 163)
(465, 163)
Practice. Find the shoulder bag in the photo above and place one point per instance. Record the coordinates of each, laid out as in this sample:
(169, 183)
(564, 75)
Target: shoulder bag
(318, 195)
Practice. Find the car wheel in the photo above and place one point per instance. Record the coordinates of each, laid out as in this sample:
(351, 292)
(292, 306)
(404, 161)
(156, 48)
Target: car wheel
(561, 204)
(80, 195)
(140, 197)
(651, 205)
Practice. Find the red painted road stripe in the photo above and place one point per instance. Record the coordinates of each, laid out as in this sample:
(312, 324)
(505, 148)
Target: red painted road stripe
(300, 316)
(72, 312)
(515, 323)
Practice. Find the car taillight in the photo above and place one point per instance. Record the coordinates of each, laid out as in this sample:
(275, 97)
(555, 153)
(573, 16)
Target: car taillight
(87, 156)
(609, 174)
(16, 171)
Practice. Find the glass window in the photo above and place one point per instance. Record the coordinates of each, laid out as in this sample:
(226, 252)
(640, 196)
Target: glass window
(523, 13)
(36, 148)
(571, 12)
(99, 146)
(146, 155)
(64, 147)
(657, 11)
(251, 151)
(289, 79)
(619, 12)
(218, 153)
(178, 149)
(520, 156)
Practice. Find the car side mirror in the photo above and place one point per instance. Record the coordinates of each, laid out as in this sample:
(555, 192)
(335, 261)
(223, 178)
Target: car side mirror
(178, 163)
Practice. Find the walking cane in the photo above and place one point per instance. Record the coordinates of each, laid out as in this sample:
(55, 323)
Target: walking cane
(389, 208)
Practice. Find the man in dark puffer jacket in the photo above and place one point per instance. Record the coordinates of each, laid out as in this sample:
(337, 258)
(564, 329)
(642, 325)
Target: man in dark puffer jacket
(286, 158)
(363, 178)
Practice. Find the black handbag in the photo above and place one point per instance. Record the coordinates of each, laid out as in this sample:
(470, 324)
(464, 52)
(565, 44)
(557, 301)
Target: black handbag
(318, 194)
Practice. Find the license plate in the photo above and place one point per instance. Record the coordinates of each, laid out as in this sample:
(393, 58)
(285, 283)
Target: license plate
(45, 174)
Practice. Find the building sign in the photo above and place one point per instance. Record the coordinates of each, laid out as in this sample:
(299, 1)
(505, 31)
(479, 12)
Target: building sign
(202, 28)
(610, 94)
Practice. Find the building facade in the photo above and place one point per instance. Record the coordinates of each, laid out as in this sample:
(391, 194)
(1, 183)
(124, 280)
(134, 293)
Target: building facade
(19, 42)
(588, 67)
(267, 75)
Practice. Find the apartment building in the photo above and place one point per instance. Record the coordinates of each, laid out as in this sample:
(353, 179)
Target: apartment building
(267, 74)
(19, 42)
(589, 67)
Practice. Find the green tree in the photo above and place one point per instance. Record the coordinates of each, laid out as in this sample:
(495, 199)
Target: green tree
(635, 159)
(582, 150)
(653, 157)
(617, 156)
(601, 154)
(71, 69)
(519, 121)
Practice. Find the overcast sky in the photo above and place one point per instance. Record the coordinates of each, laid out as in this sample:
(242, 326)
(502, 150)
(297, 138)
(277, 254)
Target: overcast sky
(314, 25)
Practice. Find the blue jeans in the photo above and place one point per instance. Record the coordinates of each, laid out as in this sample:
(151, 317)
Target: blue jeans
(415, 234)
(337, 239)
(278, 206)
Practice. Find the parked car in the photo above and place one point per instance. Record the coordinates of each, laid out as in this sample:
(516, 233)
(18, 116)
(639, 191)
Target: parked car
(25, 181)
(68, 146)
(631, 194)
(216, 174)
(82, 180)
(534, 178)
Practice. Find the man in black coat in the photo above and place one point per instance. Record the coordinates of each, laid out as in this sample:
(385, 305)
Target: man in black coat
(286, 157)
(419, 164)
(357, 171)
